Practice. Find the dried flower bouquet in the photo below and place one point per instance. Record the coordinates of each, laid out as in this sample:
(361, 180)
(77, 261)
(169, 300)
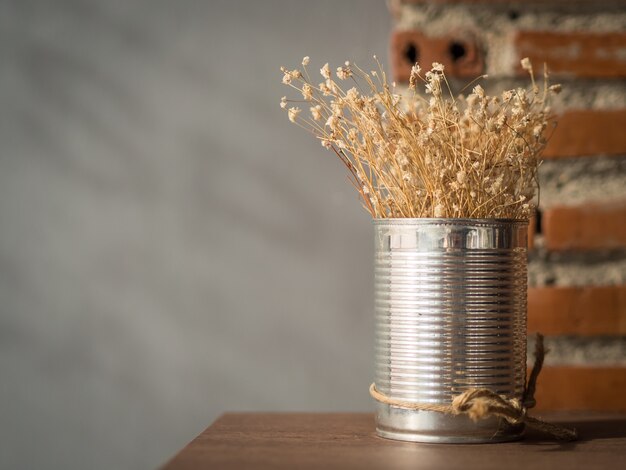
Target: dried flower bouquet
(473, 156)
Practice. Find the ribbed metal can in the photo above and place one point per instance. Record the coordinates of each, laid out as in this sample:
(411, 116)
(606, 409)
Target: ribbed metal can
(450, 299)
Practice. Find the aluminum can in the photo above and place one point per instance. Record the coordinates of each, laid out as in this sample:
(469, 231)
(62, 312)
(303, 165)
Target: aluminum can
(450, 298)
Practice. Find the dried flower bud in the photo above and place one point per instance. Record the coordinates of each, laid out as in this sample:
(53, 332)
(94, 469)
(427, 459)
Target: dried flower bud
(331, 86)
(289, 75)
(305, 61)
(325, 71)
(283, 102)
(415, 71)
(479, 91)
(336, 107)
(343, 73)
(316, 112)
(526, 65)
(438, 211)
(352, 94)
(307, 92)
(437, 67)
(332, 122)
(461, 177)
(401, 158)
(292, 113)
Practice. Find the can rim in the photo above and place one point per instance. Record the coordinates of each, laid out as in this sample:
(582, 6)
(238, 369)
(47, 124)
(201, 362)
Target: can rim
(446, 221)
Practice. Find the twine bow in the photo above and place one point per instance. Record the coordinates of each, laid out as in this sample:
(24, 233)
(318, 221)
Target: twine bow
(481, 403)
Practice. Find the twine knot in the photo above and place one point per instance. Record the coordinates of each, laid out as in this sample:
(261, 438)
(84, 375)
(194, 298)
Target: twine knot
(481, 403)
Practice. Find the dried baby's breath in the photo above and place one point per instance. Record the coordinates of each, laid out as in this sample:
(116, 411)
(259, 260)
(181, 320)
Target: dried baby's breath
(473, 156)
(316, 112)
(293, 113)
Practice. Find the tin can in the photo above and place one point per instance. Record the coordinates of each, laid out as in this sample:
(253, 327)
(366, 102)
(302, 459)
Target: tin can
(450, 299)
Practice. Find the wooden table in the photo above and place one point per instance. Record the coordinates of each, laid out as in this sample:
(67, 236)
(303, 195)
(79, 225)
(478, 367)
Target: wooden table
(346, 440)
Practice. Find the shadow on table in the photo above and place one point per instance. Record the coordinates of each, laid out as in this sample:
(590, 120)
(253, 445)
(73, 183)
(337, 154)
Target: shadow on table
(588, 430)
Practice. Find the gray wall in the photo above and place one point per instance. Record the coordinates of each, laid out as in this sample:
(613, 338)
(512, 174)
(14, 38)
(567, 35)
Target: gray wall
(170, 246)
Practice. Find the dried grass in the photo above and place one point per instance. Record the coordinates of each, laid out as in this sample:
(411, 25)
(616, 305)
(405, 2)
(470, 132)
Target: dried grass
(441, 156)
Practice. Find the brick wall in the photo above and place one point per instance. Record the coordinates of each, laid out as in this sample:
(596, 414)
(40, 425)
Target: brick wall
(577, 265)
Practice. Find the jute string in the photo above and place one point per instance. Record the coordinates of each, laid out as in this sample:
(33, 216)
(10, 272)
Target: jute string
(480, 403)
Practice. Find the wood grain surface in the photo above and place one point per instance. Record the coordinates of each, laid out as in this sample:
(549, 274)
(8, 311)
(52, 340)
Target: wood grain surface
(347, 441)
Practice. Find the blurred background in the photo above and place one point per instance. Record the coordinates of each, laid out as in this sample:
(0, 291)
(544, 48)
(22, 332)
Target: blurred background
(172, 248)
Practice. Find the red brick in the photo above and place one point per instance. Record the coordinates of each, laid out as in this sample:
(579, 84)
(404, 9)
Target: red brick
(581, 54)
(587, 132)
(583, 311)
(581, 389)
(431, 49)
(586, 227)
